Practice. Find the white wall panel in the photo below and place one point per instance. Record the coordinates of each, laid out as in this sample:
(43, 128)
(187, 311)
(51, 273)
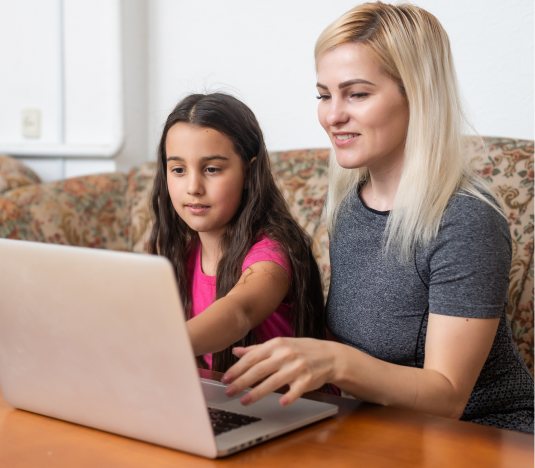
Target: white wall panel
(29, 67)
(263, 53)
(62, 57)
(90, 61)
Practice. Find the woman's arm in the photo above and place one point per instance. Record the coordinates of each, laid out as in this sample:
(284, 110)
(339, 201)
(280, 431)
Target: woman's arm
(258, 293)
(456, 350)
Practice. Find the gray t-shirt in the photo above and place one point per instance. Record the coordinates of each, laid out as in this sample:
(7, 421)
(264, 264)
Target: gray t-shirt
(381, 306)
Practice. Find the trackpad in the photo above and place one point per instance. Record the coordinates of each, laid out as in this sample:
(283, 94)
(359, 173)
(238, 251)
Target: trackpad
(214, 392)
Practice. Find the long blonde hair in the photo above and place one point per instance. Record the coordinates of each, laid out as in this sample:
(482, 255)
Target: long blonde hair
(410, 45)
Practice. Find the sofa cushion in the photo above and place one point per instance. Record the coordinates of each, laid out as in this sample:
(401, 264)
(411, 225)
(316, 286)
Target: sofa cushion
(14, 173)
(16, 221)
(85, 211)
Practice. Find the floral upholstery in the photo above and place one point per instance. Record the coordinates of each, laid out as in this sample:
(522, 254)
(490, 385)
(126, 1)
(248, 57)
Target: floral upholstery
(508, 165)
(111, 211)
(15, 174)
(302, 177)
(138, 198)
(85, 211)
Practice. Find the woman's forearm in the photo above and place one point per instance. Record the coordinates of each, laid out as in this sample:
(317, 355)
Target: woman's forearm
(219, 326)
(370, 379)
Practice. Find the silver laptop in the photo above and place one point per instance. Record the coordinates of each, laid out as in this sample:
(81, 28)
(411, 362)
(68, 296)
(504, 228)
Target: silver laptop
(98, 338)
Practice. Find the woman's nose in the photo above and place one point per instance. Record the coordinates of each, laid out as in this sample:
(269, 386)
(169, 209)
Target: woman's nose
(336, 113)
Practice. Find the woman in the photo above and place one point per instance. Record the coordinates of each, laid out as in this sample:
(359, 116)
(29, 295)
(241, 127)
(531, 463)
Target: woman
(420, 249)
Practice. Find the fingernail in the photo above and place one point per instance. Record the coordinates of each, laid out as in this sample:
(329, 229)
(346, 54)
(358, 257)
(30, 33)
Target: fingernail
(231, 390)
(226, 378)
(284, 401)
(245, 399)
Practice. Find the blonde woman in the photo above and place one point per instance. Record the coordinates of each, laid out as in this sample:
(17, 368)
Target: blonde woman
(420, 250)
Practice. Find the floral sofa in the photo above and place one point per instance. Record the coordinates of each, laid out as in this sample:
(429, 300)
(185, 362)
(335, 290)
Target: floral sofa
(110, 211)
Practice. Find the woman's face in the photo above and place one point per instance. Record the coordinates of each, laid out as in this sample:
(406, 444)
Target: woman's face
(361, 109)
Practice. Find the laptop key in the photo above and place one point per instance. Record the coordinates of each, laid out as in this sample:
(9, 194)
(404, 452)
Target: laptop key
(224, 421)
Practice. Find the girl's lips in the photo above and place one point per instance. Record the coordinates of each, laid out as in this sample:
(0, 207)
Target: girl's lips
(345, 142)
(197, 208)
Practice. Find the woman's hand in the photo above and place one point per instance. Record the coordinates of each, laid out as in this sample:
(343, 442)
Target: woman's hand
(304, 364)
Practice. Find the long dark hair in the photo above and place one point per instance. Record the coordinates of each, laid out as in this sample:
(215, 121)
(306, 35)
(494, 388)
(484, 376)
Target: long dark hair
(262, 211)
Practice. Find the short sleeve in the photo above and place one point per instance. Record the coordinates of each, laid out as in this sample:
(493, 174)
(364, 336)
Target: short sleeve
(267, 250)
(469, 261)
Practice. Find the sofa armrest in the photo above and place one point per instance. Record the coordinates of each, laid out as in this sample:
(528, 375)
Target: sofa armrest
(85, 211)
(14, 174)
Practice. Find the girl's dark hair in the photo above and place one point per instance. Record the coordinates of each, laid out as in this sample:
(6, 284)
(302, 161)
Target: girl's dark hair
(262, 211)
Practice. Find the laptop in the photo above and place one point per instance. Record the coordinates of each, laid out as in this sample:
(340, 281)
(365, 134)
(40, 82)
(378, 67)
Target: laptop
(98, 338)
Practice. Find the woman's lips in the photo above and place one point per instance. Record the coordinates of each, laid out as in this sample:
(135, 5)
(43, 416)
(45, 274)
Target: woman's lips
(197, 208)
(345, 138)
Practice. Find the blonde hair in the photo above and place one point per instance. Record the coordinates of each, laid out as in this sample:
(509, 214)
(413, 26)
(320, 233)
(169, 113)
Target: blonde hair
(410, 45)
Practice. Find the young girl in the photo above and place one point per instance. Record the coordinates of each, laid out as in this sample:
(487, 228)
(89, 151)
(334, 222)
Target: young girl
(244, 267)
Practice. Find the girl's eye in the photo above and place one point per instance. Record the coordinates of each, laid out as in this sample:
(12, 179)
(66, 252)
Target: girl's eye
(323, 97)
(178, 170)
(213, 170)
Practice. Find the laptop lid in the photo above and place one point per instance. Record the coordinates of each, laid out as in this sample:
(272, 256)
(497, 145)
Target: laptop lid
(104, 328)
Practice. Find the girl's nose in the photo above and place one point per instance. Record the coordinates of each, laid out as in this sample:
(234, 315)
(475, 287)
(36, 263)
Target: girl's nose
(337, 113)
(195, 186)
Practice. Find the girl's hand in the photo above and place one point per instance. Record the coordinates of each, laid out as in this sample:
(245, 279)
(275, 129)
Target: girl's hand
(304, 364)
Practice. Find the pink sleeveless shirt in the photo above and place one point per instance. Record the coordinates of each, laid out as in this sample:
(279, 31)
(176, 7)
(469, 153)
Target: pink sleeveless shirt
(203, 289)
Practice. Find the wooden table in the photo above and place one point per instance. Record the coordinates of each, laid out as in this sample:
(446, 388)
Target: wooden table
(361, 435)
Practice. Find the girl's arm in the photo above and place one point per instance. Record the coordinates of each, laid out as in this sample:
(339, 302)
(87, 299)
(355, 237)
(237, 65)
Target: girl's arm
(258, 293)
(455, 352)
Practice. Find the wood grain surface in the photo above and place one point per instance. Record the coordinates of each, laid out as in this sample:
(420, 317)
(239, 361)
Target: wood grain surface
(361, 435)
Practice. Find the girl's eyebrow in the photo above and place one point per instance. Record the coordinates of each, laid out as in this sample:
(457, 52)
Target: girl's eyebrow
(203, 159)
(215, 156)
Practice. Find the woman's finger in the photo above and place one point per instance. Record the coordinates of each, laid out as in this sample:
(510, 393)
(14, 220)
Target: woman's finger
(273, 382)
(297, 388)
(249, 359)
(240, 351)
(255, 374)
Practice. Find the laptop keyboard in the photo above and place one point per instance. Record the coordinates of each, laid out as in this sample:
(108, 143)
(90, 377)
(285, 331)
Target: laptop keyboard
(224, 421)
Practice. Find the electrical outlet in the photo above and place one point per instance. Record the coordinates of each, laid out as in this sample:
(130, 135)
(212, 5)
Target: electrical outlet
(31, 123)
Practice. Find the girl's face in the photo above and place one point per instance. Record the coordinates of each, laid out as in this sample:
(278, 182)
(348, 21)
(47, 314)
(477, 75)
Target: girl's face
(361, 109)
(205, 177)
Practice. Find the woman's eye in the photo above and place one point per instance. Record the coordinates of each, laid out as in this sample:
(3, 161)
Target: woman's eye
(323, 97)
(178, 170)
(213, 170)
(360, 95)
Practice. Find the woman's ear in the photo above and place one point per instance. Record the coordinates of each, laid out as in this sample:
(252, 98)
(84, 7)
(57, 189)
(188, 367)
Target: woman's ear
(252, 160)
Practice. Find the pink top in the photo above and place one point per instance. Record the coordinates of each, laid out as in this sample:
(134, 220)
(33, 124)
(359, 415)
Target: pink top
(203, 288)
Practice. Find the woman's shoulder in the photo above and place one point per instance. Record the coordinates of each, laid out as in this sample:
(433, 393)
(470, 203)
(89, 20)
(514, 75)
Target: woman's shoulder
(473, 222)
(469, 212)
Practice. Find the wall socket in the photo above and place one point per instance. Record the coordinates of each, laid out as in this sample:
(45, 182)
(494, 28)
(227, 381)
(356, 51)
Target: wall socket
(31, 123)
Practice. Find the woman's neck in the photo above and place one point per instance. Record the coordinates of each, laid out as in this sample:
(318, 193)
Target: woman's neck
(380, 191)
(210, 251)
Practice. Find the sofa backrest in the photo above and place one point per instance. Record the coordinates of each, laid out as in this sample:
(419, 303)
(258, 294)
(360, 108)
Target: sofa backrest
(112, 210)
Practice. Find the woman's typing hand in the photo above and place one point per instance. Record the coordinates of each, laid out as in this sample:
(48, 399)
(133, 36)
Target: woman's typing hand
(304, 364)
